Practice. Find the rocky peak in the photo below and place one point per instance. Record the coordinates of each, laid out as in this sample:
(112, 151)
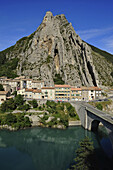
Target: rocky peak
(55, 49)
(48, 17)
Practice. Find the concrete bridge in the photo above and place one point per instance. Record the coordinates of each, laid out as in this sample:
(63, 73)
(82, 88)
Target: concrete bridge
(91, 117)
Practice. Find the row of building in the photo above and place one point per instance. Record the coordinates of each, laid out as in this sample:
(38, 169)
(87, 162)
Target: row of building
(62, 93)
(34, 89)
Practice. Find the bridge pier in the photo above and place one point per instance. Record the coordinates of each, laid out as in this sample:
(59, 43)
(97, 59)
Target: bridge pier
(91, 117)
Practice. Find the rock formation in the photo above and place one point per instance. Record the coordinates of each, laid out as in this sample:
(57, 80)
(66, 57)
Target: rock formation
(55, 49)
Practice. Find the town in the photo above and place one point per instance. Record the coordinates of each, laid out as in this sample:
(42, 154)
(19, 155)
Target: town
(36, 89)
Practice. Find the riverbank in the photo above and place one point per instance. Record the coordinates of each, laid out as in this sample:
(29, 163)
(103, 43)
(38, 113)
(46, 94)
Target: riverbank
(35, 122)
(54, 115)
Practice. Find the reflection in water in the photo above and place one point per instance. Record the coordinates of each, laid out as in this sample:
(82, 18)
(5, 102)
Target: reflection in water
(104, 141)
(41, 148)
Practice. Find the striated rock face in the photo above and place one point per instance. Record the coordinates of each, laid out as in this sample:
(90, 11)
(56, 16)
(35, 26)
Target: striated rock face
(55, 48)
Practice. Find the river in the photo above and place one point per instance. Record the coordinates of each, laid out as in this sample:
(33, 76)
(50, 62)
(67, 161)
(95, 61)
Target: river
(49, 149)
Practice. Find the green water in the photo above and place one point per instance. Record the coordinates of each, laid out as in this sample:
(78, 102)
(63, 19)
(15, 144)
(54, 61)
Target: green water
(47, 149)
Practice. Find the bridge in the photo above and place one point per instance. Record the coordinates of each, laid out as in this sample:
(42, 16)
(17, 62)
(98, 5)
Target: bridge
(91, 117)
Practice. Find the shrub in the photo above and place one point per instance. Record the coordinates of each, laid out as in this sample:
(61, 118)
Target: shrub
(99, 106)
(10, 119)
(1, 87)
(34, 103)
(19, 100)
(24, 107)
(58, 79)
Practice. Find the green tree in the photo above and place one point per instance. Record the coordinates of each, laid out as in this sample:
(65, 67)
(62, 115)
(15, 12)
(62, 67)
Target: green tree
(27, 122)
(11, 105)
(83, 160)
(34, 103)
(24, 107)
(15, 93)
(4, 106)
(1, 87)
(19, 100)
(10, 119)
(99, 106)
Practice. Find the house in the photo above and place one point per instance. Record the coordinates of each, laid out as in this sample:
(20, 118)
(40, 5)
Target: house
(36, 84)
(91, 93)
(21, 92)
(11, 82)
(7, 87)
(3, 96)
(62, 92)
(48, 93)
(76, 94)
(37, 94)
(31, 84)
(28, 94)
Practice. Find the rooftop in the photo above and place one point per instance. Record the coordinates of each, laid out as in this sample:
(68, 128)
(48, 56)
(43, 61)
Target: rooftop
(3, 92)
(37, 91)
(65, 85)
(91, 88)
(76, 89)
(48, 88)
(29, 90)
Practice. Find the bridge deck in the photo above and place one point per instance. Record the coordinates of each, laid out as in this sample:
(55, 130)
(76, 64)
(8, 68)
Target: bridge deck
(98, 113)
(95, 111)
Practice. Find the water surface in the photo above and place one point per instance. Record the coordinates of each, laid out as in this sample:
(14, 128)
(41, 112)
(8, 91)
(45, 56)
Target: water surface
(47, 149)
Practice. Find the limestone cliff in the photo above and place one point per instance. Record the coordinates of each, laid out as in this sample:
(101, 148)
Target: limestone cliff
(55, 49)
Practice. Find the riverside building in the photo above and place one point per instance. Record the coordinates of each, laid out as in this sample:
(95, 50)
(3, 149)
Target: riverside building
(62, 92)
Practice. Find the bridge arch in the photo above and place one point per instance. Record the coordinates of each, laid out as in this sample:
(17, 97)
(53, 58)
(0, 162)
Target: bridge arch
(94, 125)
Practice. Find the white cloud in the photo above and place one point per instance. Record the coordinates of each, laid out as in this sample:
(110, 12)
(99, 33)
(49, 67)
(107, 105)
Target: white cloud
(92, 33)
(108, 43)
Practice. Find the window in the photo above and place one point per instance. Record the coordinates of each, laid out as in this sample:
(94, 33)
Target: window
(46, 92)
(77, 94)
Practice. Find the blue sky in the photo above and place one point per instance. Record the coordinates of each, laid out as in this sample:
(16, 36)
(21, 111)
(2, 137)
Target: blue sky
(91, 19)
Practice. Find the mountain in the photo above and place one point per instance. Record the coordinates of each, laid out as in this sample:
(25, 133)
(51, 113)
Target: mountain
(56, 54)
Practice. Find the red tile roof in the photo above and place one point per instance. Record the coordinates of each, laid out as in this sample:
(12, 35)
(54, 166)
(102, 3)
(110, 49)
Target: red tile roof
(47, 87)
(29, 90)
(37, 91)
(65, 85)
(3, 92)
(91, 88)
(76, 89)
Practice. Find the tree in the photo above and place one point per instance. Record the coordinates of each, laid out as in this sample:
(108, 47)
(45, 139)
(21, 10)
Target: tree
(34, 103)
(83, 160)
(4, 106)
(1, 87)
(99, 106)
(27, 122)
(24, 107)
(11, 105)
(19, 100)
(15, 93)
(10, 119)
